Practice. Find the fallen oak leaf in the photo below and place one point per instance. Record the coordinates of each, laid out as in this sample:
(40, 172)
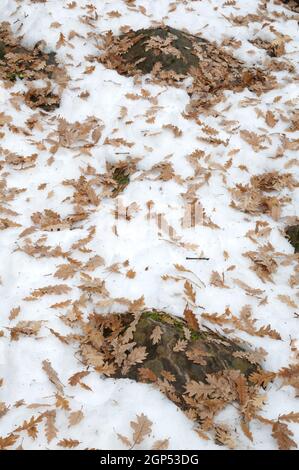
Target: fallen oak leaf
(191, 319)
(156, 334)
(14, 313)
(8, 441)
(189, 292)
(142, 427)
(124, 440)
(75, 379)
(283, 436)
(161, 444)
(75, 417)
(26, 328)
(62, 402)
(68, 443)
(52, 375)
(50, 428)
(290, 417)
(180, 345)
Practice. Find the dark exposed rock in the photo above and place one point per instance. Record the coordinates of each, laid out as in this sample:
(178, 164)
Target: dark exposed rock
(292, 233)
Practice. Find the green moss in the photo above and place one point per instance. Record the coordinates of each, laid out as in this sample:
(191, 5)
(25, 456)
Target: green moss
(169, 319)
(13, 76)
(121, 178)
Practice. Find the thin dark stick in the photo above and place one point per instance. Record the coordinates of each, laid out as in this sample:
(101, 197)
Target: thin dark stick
(205, 259)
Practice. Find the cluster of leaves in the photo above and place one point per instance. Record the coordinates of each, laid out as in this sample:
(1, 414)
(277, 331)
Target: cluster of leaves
(245, 322)
(251, 198)
(170, 350)
(16, 62)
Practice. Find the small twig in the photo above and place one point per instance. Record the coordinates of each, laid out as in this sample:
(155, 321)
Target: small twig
(200, 258)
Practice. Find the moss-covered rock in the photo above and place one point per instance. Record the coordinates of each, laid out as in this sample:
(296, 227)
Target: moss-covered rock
(183, 362)
(292, 233)
(172, 55)
(216, 352)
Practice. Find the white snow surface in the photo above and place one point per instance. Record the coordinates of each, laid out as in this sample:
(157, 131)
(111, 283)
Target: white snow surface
(111, 404)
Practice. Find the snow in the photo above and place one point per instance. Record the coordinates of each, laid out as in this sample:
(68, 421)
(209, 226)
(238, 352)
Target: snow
(112, 404)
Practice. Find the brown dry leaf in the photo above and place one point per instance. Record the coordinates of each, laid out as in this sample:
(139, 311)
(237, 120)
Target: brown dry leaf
(118, 142)
(283, 436)
(137, 304)
(93, 286)
(8, 441)
(286, 299)
(5, 119)
(58, 289)
(52, 375)
(68, 443)
(62, 402)
(14, 313)
(7, 223)
(94, 263)
(253, 139)
(161, 445)
(180, 345)
(198, 389)
(147, 375)
(290, 417)
(131, 274)
(156, 334)
(223, 435)
(3, 409)
(26, 328)
(277, 47)
(114, 14)
(75, 417)
(242, 389)
(290, 376)
(264, 265)
(175, 130)
(270, 119)
(268, 331)
(217, 280)
(262, 378)
(31, 426)
(246, 430)
(75, 379)
(64, 304)
(168, 376)
(142, 427)
(66, 271)
(124, 440)
(249, 290)
(61, 41)
(50, 428)
(197, 356)
(181, 268)
(273, 181)
(191, 319)
(137, 355)
(189, 292)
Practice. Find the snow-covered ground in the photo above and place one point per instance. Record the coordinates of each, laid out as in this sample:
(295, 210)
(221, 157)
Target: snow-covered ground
(138, 253)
